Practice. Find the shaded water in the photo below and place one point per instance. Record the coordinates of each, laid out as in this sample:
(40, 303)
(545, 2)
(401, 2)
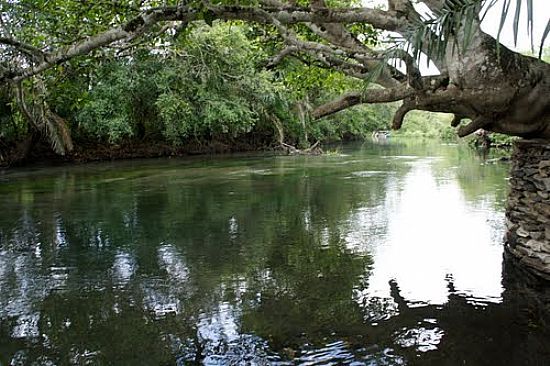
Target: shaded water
(382, 255)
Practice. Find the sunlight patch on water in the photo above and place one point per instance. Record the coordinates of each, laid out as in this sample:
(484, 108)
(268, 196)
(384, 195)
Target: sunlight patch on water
(367, 173)
(219, 325)
(432, 233)
(160, 301)
(123, 269)
(332, 353)
(26, 326)
(173, 263)
(421, 338)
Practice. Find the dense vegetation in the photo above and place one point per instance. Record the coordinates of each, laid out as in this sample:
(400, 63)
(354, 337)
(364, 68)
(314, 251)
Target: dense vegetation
(211, 87)
(79, 75)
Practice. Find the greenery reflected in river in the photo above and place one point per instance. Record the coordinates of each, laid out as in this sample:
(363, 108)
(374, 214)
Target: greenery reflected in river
(383, 255)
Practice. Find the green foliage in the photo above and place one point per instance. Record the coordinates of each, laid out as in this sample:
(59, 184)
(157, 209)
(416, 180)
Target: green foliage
(176, 114)
(12, 125)
(208, 87)
(357, 122)
(427, 124)
(106, 114)
(499, 139)
(491, 139)
(315, 86)
(46, 23)
(204, 83)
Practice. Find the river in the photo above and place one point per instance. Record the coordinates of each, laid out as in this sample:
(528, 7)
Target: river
(373, 254)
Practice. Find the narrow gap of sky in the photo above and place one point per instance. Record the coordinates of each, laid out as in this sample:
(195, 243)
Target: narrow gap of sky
(491, 23)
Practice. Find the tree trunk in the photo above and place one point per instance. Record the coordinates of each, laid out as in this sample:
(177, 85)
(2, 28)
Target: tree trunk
(497, 89)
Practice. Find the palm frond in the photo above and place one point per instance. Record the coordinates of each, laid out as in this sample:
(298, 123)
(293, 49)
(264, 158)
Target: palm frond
(435, 31)
(516, 20)
(544, 35)
(53, 127)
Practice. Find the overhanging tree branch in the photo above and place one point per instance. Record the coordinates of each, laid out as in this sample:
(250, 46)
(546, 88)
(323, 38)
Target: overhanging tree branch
(24, 48)
(485, 81)
(368, 96)
(144, 21)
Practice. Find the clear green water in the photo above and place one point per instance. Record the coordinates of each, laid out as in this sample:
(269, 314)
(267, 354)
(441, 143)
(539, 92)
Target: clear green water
(382, 255)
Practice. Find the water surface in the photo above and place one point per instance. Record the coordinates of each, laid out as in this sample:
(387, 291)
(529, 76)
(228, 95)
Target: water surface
(378, 255)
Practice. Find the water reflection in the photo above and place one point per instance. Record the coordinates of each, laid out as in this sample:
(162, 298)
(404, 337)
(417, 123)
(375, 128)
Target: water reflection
(124, 267)
(385, 255)
(429, 219)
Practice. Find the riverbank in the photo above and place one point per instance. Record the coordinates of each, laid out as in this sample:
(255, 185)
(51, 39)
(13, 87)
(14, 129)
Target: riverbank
(83, 153)
(42, 155)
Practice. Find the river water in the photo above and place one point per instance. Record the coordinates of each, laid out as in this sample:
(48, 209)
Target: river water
(376, 254)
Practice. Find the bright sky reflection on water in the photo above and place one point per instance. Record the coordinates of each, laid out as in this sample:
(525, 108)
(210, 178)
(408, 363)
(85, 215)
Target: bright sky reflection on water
(430, 221)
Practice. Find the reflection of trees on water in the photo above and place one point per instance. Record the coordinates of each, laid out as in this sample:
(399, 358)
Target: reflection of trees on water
(251, 263)
(470, 331)
(111, 270)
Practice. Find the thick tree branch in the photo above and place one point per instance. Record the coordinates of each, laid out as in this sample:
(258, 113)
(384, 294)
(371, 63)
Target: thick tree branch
(278, 58)
(377, 18)
(413, 73)
(331, 62)
(400, 114)
(141, 23)
(332, 57)
(327, 55)
(81, 48)
(457, 118)
(22, 47)
(473, 126)
(337, 34)
(368, 96)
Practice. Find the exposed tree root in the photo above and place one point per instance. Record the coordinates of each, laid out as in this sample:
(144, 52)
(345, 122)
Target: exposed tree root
(314, 149)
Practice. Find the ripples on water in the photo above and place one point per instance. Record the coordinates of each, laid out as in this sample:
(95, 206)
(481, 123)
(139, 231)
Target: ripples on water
(384, 255)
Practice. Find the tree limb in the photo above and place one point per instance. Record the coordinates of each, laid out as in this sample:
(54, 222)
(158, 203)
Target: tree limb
(337, 34)
(325, 54)
(457, 118)
(400, 114)
(278, 58)
(368, 96)
(22, 47)
(141, 23)
(433, 5)
(473, 126)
